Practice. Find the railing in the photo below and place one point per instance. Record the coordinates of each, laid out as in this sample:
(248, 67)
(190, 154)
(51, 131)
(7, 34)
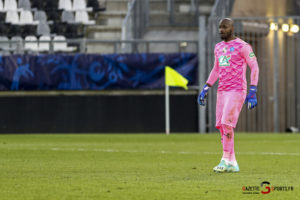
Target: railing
(103, 46)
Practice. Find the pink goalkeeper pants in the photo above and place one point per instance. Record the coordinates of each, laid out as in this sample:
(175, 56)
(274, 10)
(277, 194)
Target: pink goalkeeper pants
(228, 108)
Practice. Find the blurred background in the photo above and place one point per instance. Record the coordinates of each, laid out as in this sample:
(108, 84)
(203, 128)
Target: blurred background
(97, 66)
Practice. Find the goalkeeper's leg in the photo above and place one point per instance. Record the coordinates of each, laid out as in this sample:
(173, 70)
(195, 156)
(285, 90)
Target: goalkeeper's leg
(223, 165)
(228, 148)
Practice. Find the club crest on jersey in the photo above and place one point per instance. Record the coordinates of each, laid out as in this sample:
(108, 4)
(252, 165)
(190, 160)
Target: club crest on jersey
(224, 60)
(251, 55)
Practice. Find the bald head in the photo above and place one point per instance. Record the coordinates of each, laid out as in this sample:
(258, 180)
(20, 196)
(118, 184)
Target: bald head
(226, 29)
(227, 21)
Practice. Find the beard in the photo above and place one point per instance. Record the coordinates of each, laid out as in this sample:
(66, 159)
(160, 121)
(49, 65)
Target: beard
(226, 35)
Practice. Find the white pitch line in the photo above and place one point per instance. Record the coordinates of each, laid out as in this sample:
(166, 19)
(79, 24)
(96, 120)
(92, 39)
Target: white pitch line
(172, 152)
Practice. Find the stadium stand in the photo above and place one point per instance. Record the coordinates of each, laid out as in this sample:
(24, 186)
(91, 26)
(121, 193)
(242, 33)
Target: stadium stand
(31, 19)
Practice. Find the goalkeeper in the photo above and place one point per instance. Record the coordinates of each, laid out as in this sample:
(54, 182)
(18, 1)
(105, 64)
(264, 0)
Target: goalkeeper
(231, 58)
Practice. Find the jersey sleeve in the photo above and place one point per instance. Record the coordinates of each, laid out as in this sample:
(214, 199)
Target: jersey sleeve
(214, 74)
(251, 60)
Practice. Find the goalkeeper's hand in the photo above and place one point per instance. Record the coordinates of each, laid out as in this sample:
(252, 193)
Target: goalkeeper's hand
(251, 99)
(203, 95)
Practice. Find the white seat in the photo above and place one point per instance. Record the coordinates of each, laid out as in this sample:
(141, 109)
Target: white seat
(4, 45)
(1, 6)
(82, 17)
(80, 5)
(10, 5)
(65, 4)
(60, 44)
(44, 43)
(16, 42)
(31, 43)
(26, 17)
(12, 16)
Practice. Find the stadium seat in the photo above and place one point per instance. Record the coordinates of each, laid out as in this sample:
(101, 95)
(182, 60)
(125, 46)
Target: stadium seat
(10, 5)
(43, 29)
(44, 43)
(40, 16)
(65, 5)
(24, 4)
(31, 43)
(82, 17)
(4, 43)
(16, 42)
(12, 16)
(26, 17)
(81, 5)
(1, 6)
(67, 16)
(60, 44)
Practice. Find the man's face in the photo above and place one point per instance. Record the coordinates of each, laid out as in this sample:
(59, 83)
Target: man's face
(225, 29)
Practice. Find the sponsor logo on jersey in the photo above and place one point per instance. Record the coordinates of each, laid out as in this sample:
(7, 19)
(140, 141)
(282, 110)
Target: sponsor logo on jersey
(224, 60)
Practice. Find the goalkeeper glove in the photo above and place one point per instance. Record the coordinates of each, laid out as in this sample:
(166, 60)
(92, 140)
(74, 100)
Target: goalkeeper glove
(251, 99)
(203, 95)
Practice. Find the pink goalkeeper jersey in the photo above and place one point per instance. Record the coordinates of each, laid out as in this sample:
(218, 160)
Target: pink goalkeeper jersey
(231, 59)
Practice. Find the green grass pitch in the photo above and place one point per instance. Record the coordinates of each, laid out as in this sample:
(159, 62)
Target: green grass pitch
(145, 166)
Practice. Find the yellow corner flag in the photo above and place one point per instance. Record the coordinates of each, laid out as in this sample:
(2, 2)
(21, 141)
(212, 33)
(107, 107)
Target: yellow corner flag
(173, 78)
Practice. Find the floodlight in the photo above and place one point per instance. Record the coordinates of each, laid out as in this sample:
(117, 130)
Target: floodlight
(285, 27)
(273, 26)
(294, 28)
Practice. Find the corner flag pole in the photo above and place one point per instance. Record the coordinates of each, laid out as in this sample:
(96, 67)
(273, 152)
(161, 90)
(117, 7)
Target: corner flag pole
(167, 109)
(172, 78)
